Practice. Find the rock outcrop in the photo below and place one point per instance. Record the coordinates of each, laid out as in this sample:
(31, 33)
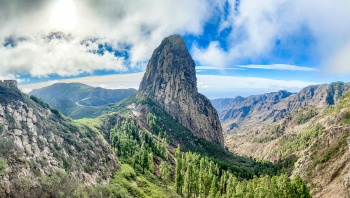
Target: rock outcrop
(170, 81)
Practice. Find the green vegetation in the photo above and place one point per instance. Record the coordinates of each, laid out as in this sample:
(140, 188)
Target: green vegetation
(321, 154)
(264, 139)
(46, 106)
(346, 117)
(177, 134)
(303, 114)
(292, 143)
(8, 95)
(3, 165)
(335, 109)
(200, 177)
(60, 184)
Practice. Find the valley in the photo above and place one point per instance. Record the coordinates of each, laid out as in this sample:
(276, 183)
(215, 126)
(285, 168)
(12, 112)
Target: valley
(168, 140)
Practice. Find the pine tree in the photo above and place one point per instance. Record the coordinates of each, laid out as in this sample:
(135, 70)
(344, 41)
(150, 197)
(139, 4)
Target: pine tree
(201, 190)
(144, 158)
(213, 188)
(300, 187)
(187, 180)
(151, 162)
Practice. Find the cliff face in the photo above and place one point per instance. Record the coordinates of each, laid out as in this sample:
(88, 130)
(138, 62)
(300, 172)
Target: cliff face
(35, 139)
(170, 81)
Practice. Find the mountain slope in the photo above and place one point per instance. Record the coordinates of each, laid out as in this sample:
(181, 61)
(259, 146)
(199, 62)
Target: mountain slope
(78, 100)
(318, 138)
(36, 140)
(170, 81)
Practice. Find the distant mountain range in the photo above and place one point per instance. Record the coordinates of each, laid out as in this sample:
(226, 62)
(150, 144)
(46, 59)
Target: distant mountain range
(78, 100)
(237, 114)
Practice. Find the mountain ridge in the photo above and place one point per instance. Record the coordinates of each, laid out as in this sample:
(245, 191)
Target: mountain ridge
(73, 98)
(241, 113)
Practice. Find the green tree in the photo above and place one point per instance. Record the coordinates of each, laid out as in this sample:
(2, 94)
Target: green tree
(178, 175)
(144, 158)
(3, 166)
(213, 188)
(300, 187)
(151, 162)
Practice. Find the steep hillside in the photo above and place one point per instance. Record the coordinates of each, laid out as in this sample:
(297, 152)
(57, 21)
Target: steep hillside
(316, 137)
(241, 114)
(78, 100)
(37, 141)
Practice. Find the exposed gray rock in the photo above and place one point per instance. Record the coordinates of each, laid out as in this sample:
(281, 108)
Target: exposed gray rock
(37, 139)
(170, 81)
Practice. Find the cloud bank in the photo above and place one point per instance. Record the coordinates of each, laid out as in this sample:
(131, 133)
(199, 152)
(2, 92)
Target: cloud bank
(136, 27)
(256, 27)
(250, 31)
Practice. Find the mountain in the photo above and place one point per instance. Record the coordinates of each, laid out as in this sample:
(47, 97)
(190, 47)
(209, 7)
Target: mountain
(241, 114)
(316, 139)
(170, 81)
(312, 132)
(36, 142)
(141, 147)
(78, 100)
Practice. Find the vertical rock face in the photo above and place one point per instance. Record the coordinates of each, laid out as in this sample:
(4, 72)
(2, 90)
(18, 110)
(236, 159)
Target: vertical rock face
(170, 81)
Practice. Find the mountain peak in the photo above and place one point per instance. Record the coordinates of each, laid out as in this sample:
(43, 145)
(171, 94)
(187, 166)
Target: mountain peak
(176, 42)
(170, 81)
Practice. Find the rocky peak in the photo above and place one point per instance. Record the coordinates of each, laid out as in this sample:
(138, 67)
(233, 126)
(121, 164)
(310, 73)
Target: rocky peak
(170, 81)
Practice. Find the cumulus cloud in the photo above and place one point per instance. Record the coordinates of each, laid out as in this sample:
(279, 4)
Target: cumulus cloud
(258, 25)
(41, 57)
(279, 67)
(139, 24)
(138, 27)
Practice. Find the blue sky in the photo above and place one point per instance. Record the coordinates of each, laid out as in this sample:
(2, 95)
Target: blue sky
(279, 44)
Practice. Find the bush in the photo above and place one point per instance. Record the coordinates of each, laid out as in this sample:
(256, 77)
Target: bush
(3, 166)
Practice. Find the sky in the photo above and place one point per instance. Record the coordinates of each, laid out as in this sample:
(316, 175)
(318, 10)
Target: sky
(240, 47)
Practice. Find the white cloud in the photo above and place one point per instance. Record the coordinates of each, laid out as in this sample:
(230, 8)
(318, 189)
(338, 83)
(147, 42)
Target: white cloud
(139, 24)
(203, 68)
(279, 67)
(257, 25)
(339, 63)
(39, 57)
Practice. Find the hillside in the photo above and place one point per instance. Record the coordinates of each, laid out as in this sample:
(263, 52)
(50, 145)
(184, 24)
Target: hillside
(78, 100)
(36, 141)
(316, 138)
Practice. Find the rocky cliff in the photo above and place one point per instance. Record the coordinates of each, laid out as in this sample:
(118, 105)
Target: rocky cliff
(170, 81)
(36, 139)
